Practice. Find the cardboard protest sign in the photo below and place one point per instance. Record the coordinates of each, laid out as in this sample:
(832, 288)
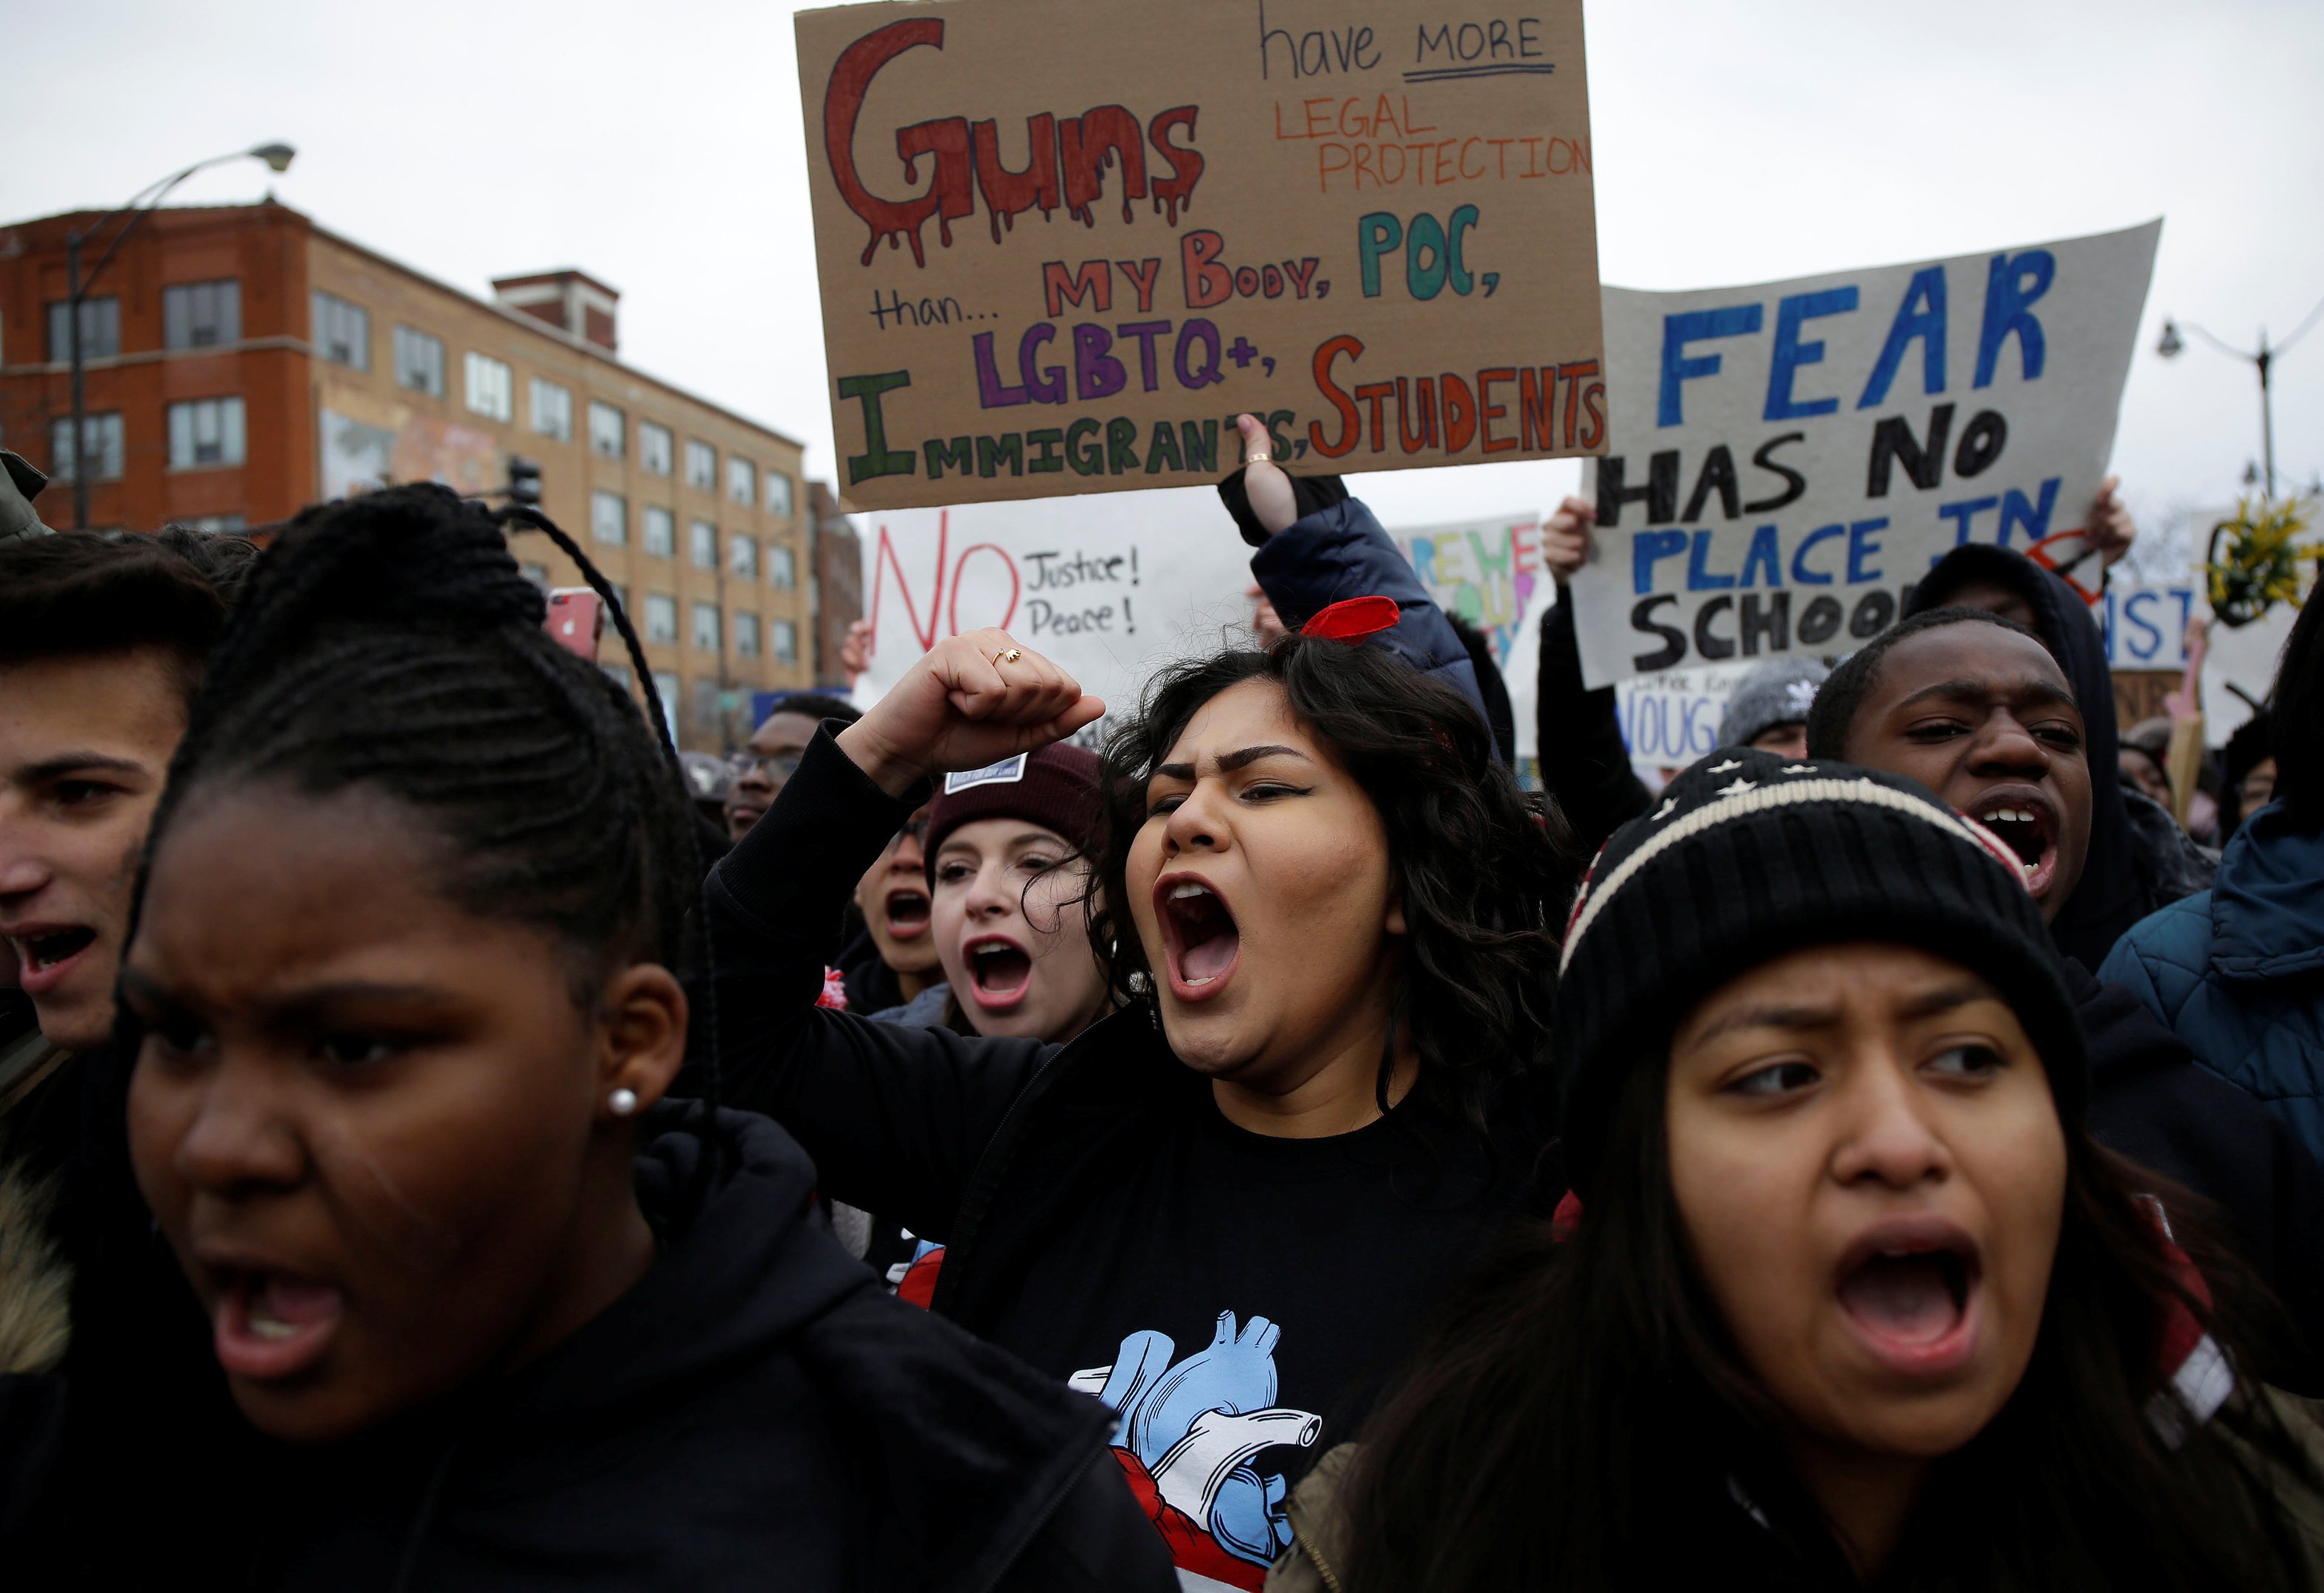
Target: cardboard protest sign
(1787, 459)
(1109, 592)
(1490, 573)
(1062, 243)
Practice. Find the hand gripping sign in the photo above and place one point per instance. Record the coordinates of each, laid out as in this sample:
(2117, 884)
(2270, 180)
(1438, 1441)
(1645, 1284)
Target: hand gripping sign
(1063, 243)
(1788, 459)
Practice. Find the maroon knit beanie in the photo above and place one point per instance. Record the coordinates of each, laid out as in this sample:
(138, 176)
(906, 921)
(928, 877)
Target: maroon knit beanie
(1059, 786)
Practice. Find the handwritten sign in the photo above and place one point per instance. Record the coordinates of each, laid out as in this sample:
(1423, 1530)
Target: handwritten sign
(2146, 627)
(1788, 459)
(1670, 719)
(1110, 591)
(1062, 243)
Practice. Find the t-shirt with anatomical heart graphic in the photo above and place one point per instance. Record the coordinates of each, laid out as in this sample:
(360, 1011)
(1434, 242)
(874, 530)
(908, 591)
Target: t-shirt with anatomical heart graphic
(1237, 1301)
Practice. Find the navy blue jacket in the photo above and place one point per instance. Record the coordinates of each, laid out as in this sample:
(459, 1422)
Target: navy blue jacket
(1340, 552)
(2237, 972)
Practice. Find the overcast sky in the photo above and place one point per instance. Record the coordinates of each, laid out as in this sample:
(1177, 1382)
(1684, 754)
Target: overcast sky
(659, 147)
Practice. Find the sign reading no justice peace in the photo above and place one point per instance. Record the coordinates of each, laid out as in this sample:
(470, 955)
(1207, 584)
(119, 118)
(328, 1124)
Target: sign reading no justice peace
(1788, 460)
(1061, 244)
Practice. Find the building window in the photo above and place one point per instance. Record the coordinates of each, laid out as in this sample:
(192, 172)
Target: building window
(605, 427)
(706, 627)
(702, 545)
(201, 315)
(741, 481)
(778, 495)
(619, 673)
(100, 330)
(211, 525)
(653, 447)
(661, 531)
(491, 387)
(742, 556)
(342, 331)
(419, 361)
(621, 595)
(782, 569)
(100, 444)
(746, 634)
(701, 466)
(609, 518)
(552, 411)
(786, 639)
(537, 574)
(707, 704)
(661, 617)
(665, 682)
(205, 433)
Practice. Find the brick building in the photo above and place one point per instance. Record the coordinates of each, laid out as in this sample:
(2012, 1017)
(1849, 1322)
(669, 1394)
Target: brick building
(836, 556)
(243, 361)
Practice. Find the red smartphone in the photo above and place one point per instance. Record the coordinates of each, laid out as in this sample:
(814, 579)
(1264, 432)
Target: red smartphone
(577, 619)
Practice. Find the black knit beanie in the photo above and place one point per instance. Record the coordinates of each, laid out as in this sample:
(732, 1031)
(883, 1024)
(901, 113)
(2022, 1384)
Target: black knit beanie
(1749, 856)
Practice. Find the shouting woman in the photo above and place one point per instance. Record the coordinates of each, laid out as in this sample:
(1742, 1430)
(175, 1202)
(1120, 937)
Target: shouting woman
(1223, 1209)
(1852, 1297)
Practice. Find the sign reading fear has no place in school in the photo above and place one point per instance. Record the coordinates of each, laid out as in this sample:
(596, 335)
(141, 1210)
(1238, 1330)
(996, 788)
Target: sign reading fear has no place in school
(1788, 460)
(1062, 243)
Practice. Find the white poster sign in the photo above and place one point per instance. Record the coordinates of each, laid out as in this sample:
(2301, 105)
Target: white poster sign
(1110, 588)
(1670, 719)
(2146, 627)
(1787, 459)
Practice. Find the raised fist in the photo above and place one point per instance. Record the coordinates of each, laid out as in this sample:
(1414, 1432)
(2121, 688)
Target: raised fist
(974, 699)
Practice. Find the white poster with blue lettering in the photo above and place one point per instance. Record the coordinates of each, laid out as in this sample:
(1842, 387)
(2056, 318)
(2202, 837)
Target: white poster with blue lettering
(1788, 459)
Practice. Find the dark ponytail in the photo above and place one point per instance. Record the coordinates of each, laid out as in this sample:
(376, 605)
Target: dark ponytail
(389, 640)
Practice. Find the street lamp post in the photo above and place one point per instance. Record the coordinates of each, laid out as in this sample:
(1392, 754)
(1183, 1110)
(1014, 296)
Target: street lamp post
(2264, 358)
(277, 156)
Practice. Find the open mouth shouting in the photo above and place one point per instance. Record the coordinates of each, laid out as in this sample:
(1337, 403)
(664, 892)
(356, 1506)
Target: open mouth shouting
(2025, 820)
(999, 971)
(268, 1324)
(1909, 1288)
(47, 954)
(906, 909)
(1199, 935)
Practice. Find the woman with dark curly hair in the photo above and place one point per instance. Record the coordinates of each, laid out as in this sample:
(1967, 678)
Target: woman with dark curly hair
(1222, 1208)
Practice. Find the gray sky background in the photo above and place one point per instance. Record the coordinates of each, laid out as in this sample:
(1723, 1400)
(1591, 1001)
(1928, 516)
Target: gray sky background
(661, 148)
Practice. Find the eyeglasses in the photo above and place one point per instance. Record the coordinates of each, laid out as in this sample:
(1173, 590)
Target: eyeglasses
(916, 828)
(778, 768)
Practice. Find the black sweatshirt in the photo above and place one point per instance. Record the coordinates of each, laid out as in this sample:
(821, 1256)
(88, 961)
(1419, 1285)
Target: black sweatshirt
(756, 1411)
(1230, 1295)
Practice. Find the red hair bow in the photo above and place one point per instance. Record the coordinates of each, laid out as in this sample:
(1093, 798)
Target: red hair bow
(1353, 619)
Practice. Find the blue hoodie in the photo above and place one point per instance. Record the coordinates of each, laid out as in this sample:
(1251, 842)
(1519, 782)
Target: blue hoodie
(2238, 970)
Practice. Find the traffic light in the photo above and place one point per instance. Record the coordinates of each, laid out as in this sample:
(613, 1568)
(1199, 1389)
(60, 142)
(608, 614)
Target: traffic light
(523, 481)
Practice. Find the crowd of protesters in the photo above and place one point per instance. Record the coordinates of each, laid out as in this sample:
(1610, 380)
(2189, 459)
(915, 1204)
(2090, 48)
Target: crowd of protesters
(988, 1138)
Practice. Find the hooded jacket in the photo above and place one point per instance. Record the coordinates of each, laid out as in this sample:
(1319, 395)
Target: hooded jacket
(756, 1411)
(2132, 869)
(2239, 971)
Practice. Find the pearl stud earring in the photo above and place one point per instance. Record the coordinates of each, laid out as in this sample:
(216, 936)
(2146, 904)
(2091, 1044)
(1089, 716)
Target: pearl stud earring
(622, 1102)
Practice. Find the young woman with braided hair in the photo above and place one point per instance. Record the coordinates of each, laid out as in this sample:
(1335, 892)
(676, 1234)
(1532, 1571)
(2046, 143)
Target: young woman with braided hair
(489, 1311)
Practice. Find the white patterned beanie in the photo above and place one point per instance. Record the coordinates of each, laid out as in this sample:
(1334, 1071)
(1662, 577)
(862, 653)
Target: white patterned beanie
(1749, 856)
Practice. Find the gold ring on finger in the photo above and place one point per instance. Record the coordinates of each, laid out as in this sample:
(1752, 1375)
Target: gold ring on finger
(1008, 655)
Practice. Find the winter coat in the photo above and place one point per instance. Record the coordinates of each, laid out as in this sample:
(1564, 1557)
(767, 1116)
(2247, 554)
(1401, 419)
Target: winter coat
(755, 1411)
(1317, 1560)
(2239, 971)
(2131, 869)
(1340, 552)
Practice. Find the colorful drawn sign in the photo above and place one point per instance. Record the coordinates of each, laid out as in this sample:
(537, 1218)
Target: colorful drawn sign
(1062, 243)
(1490, 573)
(1787, 459)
